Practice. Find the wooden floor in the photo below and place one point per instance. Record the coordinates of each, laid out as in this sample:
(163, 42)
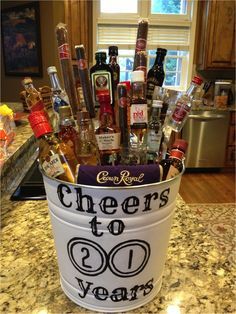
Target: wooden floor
(208, 187)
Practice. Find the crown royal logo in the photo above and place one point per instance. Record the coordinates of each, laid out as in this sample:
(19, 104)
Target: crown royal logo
(103, 177)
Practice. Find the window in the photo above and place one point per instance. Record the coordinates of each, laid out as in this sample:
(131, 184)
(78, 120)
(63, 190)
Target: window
(171, 26)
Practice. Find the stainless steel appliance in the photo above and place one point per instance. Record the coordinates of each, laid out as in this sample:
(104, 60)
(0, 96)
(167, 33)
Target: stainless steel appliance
(206, 133)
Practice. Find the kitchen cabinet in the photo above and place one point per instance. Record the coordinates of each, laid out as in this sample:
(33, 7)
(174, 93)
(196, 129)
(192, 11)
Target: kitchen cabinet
(231, 143)
(215, 39)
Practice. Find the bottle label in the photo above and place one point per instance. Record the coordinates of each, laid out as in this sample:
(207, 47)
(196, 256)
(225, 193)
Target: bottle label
(172, 172)
(180, 111)
(53, 166)
(64, 52)
(138, 113)
(154, 140)
(141, 44)
(123, 102)
(108, 141)
(101, 81)
(58, 102)
(82, 64)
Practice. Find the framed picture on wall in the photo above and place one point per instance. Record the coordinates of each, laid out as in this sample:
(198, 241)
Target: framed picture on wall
(21, 40)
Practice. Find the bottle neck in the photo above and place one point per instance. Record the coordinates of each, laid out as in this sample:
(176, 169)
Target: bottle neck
(55, 82)
(113, 59)
(100, 61)
(137, 91)
(159, 60)
(191, 89)
(155, 113)
(106, 119)
(67, 121)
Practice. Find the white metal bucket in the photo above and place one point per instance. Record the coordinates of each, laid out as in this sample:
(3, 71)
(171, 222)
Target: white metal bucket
(111, 242)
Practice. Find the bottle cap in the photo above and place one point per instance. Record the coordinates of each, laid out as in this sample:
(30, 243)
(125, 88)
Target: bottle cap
(64, 112)
(52, 69)
(197, 80)
(161, 51)
(113, 50)
(39, 123)
(137, 76)
(80, 52)
(180, 143)
(27, 80)
(127, 83)
(100, 55)
(157, 103)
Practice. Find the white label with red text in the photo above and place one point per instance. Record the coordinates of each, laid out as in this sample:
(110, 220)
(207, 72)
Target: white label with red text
(138, 113)
(108, 141)
(53, 166)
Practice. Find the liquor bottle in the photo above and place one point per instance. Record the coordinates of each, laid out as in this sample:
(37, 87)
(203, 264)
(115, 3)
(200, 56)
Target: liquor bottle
(84, 79)
(113, 63)
(156, 74)
(33, 98)
(123, 107)
(35, 103)
(60, 97)
(141, 63)
(102, 79)
(173, 165)
(177, 118)
(66, 66)
(88, 153)
(141, 39)
(67, 132)
(56, 158)
(107, 134)
(138, 114)
(154, 132)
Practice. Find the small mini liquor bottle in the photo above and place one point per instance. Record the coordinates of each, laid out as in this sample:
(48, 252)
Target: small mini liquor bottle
(33, 98)
(88, 153)
(102, 79)
(154, 132)
(56, 158)
(107, 134)
(156, 74)
(113, 63)
(67, 132)
(173, 165)
(177, 118)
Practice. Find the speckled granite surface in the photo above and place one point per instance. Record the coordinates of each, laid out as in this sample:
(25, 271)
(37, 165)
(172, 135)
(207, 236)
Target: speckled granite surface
(198, 278)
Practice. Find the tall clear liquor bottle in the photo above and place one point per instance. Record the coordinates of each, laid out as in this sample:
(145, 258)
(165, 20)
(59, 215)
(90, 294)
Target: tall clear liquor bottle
(107, 134)
(56, 158)
(60, 97)
(156, 74)
(66, 66)
(102, 79)
(113, 63)
(138, 114)
(154, 132)
(177, 118)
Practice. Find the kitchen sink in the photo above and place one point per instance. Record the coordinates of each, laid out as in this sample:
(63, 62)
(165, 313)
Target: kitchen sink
(31, 187)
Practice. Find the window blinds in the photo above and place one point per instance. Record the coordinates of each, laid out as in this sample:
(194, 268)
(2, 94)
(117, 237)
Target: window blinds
(169, 37)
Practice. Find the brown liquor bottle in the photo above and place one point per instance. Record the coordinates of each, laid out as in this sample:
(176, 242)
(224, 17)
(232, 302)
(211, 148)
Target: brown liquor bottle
(107, 134)
(56, 158)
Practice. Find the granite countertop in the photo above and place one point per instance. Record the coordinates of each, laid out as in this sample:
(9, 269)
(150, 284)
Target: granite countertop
(197, 277)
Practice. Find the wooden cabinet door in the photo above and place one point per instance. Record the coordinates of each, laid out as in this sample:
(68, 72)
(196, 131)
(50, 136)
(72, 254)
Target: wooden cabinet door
(215, 40)
(78, 17)
(221, 36)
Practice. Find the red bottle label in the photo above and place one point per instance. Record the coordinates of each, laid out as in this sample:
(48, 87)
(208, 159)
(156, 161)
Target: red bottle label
(180, 112)
(123, 102)
(64, 51)
(82, 64)
(141, 44)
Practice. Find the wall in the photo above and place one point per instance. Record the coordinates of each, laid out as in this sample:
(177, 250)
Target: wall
(51, 13)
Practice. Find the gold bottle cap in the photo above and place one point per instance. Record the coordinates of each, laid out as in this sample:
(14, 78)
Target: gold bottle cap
(27, 80)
